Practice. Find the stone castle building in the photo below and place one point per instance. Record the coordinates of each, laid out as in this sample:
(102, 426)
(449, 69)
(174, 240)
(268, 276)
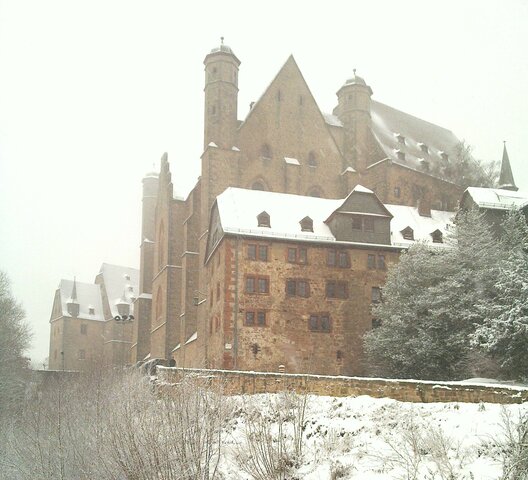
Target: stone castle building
(217, 289)
(83, 330)
(277, 255)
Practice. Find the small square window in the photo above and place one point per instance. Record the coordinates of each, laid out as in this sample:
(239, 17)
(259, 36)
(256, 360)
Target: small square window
(371, 262)
(252, 252)
(290, 287)
(397, 192)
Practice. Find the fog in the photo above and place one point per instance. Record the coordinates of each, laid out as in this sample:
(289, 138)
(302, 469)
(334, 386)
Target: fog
(92, 93)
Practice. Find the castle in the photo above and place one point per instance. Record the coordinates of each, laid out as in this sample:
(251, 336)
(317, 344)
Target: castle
(275, 258)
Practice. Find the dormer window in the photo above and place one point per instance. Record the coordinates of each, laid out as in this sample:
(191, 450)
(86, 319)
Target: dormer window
(408, 233)
(265, 152)
(445, 156)
(127, 276)
(424, 164)
(258, 185)
(437, 236)
(399, 154)
(423, 147)
(91, 310)
(400, 138)
(263, 219)
(306, 224)
(312, 160)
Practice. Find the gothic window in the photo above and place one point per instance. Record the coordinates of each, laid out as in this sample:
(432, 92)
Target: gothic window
(265, 152)
(437, 236)
(258, 185)
(82, 355)
(306, 224)
(408, 233)
(263, 219)
(312, 160)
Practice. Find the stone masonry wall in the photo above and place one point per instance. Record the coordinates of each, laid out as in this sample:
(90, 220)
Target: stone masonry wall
(237, 382)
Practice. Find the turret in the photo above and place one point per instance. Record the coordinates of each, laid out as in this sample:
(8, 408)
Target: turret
(150, 198)
(221, 96)
(353, 109)
(506, 181)
(72, 305)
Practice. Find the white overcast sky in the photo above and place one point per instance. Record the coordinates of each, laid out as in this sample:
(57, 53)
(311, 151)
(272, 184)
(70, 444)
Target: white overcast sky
(93, 92)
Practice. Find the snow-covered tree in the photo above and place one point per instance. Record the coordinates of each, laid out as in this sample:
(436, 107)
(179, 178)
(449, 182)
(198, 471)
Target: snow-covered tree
(430, 304)
(504, 330)
(14, 340)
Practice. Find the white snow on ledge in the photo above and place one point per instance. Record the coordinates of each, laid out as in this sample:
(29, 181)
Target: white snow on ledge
(192, 338)
(212, 144)
(291, 161)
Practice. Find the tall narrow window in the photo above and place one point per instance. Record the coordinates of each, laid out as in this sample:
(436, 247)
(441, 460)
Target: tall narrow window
(371, 262)
(265, 152)
(84, 329)
(376, 295)
(312, 160)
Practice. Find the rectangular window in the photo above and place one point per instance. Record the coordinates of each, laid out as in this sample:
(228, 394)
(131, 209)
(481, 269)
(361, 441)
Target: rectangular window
(356, 223)
(371, 262)
(331, 258)
(381, 262)
(299, 288)
(263, 285)
(84, 329)
(250, 284)
(344, 261)
(263, 253)
(336, 289)
(297, 255)
(252, 252)
(250, 318)
(368, 224)
(82, 355)
(376, 295)
(320, 323)
(255, 318)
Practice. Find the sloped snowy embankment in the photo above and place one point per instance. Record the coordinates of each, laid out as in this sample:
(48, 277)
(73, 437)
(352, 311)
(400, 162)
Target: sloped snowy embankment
(367, 438)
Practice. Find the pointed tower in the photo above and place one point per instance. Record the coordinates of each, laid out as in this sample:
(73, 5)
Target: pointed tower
(506, 181)
(72, 304)
(353, 109)
(221, 96)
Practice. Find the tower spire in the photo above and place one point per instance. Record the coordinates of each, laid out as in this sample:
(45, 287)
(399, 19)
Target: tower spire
(506, 181)
(74, 290)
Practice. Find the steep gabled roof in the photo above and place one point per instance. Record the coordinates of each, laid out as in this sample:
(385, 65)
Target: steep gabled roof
(506, 180)
(118, 279)
(87, 296)
(496, 198)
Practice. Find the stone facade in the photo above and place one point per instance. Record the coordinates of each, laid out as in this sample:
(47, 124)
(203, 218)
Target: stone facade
(285, 144)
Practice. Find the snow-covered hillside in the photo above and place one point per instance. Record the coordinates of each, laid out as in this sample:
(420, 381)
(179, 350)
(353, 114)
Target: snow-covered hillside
(373, 439)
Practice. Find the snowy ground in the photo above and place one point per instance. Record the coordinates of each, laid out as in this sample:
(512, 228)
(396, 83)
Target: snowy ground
(373, 439)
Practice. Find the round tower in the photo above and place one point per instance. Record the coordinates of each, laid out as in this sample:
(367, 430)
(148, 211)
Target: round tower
(353, 109)
(221, 96)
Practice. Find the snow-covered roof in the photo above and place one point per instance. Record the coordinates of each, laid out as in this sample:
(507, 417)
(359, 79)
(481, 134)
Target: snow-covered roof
(333, 120)
(423, 227)
(88, 296)
(238, 209)
(497, 199)
(119, 280)
(396, 130)
(291, 161)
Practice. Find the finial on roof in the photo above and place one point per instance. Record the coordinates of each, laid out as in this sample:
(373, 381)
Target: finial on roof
(506, 181)
(221, 40)
(74, 290)
(354, 70)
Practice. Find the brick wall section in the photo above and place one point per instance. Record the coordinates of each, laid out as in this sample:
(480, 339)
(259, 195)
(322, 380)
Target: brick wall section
(236, 382)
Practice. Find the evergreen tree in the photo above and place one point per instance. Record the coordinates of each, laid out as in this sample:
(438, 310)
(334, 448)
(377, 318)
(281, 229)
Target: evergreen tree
(504, 331)
(429, 306)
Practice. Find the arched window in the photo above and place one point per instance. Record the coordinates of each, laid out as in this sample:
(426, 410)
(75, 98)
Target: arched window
(312, 160)
(265, 152)
(263, 219)
(258, 185)
(161, 246)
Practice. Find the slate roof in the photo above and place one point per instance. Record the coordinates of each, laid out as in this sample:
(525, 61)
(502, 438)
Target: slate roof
(88, 296)
(238, 210)
(119, 280)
